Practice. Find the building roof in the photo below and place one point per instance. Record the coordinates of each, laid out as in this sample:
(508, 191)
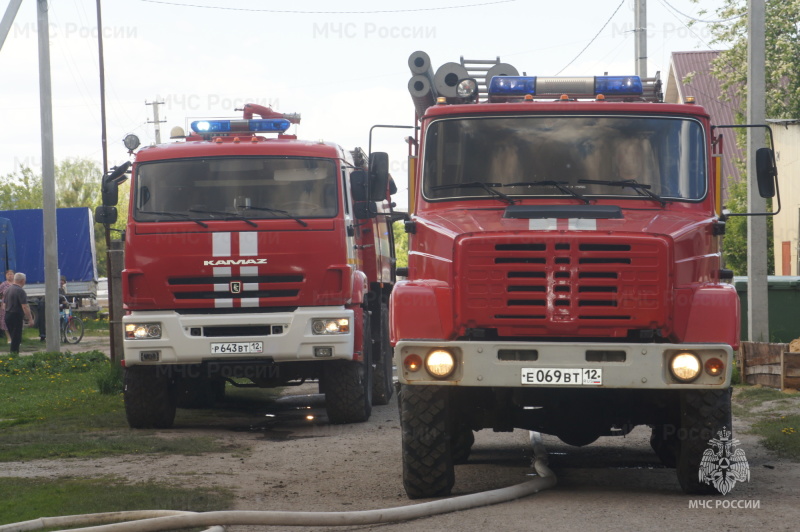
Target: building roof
(690, 75)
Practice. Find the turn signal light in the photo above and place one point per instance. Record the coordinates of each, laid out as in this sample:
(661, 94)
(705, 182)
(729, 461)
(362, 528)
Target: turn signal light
(413, 362)
(714, 367)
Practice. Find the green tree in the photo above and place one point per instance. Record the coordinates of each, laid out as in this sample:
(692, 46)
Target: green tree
(782, 30)
(77, 185)
(734, 243)
(400, 244)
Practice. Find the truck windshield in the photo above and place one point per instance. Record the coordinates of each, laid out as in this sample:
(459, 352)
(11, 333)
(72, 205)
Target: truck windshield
(232, 188)
(660, 159)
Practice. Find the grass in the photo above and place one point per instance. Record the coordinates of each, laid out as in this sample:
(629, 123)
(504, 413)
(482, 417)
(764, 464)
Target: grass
(25, 499)
(775, 418)
(51, 407)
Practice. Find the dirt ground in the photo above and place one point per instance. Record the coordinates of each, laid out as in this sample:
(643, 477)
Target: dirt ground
(290, 458)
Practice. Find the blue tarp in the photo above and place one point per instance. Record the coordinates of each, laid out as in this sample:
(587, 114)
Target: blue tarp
(8, 253)
(76, 251)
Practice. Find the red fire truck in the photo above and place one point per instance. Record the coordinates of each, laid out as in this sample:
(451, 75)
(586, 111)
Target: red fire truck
(255, 260)
(564, 271)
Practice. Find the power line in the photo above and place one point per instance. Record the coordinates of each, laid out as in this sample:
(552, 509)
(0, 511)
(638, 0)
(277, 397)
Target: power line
(299, 12)
(593, 38)
(673, 8)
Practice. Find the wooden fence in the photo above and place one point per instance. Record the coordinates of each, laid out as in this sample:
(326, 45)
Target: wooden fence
(769, 364)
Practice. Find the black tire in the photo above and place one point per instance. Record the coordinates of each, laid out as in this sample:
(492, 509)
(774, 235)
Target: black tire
(150, 399)
(73, 330)
(199, 392)
(666, 446)
(348, 385)
(461, 444)
(703, 414)
(427, 444)
(382, 379)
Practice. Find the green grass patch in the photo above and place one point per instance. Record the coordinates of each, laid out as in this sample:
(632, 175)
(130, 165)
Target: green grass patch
(25, 499)
(780, 434)
(51, 406)
(775, 416)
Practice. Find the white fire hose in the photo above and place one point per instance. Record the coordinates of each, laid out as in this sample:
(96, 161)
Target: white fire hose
(152, 520)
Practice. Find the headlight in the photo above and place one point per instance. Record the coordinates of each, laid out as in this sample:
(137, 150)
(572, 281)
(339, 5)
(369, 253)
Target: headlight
(685, 366)
(440, 363)
(330, 325)
(142, 331)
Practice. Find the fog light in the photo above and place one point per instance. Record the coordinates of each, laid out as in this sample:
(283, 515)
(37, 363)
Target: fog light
(440, 363)
(149, 356)
(714, 367)
(685, 366)
(413, 362)
(323, 352)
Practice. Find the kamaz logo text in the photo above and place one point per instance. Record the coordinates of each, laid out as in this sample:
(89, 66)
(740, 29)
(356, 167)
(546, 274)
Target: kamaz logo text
(233, 262)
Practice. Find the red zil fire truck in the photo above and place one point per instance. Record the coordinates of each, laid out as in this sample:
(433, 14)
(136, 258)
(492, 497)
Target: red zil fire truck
(564, 271)
(255, 260)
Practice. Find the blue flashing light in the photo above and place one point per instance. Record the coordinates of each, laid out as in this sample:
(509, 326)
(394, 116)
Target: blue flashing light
(618, 85)
(273, 125)
(511, 86)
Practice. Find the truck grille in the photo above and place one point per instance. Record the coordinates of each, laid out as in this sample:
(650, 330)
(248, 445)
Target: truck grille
(588, 285)
(260, 287)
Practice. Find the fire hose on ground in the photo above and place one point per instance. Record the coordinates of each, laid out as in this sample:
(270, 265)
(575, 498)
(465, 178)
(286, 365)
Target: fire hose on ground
(153, 520)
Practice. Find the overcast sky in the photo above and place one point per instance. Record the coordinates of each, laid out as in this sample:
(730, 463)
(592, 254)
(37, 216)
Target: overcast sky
(342, 65)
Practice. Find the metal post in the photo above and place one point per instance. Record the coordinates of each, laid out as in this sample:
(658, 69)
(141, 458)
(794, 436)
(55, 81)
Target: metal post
(757, 298)
(8, 20)
(48, 185)
(640, 30)
(156, 121)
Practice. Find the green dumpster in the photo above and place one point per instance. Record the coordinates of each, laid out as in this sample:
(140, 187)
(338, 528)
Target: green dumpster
(783, 292)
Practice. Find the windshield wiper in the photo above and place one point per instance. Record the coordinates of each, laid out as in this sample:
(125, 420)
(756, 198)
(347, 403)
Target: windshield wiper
(640, 188)
(560, 185)
(488, 187)
(275, 211)
(178, 214)
(228, 215)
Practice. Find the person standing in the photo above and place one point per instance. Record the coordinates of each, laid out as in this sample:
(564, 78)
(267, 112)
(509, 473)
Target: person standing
(17, 309)
(3, 287)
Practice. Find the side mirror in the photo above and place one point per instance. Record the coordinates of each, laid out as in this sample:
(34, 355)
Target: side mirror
(364, 210)
(378, 175)
(766, 172)
(111, 181)
(105, 214)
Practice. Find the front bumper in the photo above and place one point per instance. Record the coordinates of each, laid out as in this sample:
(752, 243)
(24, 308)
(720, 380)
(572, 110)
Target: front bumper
(508, 364)
(185, 338)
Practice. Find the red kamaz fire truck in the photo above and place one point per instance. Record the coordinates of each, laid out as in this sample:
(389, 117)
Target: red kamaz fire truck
(255, 260)
(564, 270)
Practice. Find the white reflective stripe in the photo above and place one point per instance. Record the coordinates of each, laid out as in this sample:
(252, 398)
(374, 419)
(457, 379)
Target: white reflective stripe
(249, 271)
(223, 303)
(249, 286)
(248, 244)
(249, 301)
(543, 224)
(222, 271)
(583, 224)
(221, 287)
(221, 244)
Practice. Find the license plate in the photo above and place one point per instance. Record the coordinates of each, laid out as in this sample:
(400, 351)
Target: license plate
(237, 347)
(563, 376)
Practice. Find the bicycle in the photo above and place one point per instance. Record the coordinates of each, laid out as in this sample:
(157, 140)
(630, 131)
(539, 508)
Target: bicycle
(71, 327)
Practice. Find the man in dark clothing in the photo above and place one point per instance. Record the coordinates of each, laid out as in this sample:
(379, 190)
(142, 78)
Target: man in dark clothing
(17, 308)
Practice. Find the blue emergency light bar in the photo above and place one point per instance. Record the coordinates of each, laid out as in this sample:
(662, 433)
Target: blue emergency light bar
(515, 87)
(273, 125)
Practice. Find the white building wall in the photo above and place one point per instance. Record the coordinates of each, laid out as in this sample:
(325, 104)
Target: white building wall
(786, 136)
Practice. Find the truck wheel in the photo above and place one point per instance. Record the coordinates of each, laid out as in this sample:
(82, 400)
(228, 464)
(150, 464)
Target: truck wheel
(665, 446)
(150, 399)
(427, 445)
(461, 444)
(199, 392)
(348, 385)
(382, 383)
(703, 414)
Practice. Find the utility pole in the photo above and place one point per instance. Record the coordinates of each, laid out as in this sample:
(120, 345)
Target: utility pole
(757, 298)
(52, 325)
(155, 120)
(640, 31)
(8, 20)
